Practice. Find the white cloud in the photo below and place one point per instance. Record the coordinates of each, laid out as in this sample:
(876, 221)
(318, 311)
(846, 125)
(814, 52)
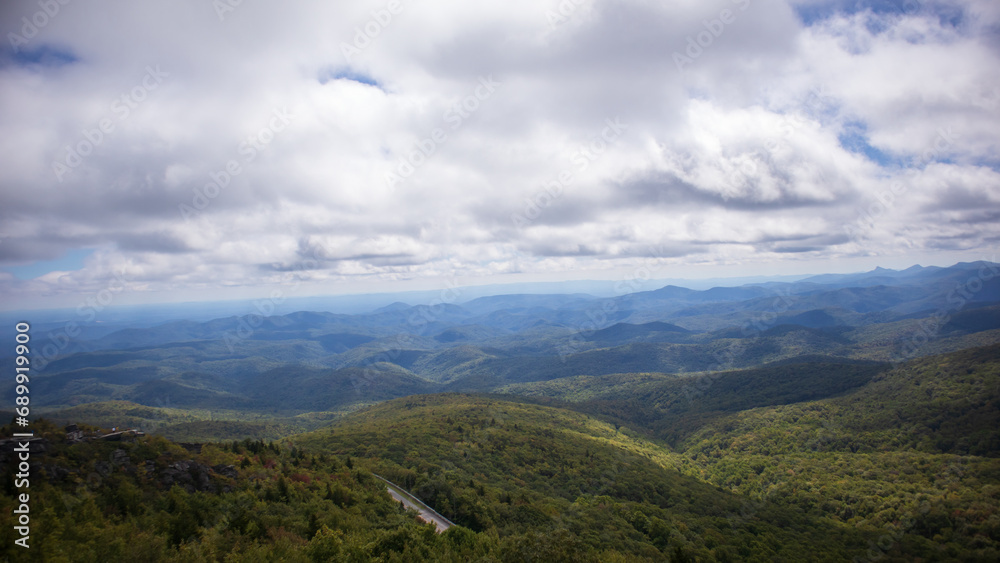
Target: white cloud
(736, 158)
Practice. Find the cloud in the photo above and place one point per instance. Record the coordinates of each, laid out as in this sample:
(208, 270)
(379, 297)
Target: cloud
(252, 149)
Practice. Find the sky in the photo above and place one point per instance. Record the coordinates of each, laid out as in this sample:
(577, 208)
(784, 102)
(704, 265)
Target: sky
(189, 150)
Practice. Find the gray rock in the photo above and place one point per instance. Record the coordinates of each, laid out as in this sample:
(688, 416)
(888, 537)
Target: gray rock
(190, 475)
(120, 457)
(226, 471)
(103, 468)
(55, 473)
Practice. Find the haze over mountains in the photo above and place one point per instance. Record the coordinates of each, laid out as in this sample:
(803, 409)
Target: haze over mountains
(306, 362)
(479, 250)
(830, 418)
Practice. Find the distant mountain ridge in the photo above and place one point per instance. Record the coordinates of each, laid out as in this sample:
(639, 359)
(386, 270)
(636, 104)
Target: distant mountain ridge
(489, 342)
(780, 421)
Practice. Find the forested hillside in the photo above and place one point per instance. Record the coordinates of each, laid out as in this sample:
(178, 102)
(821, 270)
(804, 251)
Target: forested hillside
(840, 418)
(152, 500)
(887, 464)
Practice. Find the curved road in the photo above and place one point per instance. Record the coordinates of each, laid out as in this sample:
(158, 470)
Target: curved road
(424, 512)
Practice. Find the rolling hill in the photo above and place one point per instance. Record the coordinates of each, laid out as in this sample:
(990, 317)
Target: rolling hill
(805, 458)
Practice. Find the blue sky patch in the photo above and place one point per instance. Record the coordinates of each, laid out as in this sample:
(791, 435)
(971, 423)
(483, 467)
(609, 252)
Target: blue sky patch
(347, 74)
(855, 139)
(950, 16)
(45, 56)
(72, 260)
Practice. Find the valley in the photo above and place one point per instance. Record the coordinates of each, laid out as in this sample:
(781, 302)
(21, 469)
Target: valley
(774, 422)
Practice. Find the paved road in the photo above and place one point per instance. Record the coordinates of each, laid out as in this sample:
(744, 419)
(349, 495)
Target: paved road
(424, 512)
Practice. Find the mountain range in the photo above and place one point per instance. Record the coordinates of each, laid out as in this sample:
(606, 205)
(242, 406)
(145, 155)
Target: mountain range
(327, 362)
(837, 417)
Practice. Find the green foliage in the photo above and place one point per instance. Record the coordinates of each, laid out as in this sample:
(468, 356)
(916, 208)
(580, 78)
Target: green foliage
(272, 511)
(541, 477)
(913, 456)
(615, 444)
(887, 464)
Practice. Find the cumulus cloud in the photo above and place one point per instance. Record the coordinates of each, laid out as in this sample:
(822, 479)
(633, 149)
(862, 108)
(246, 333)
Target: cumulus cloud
(372, 142)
